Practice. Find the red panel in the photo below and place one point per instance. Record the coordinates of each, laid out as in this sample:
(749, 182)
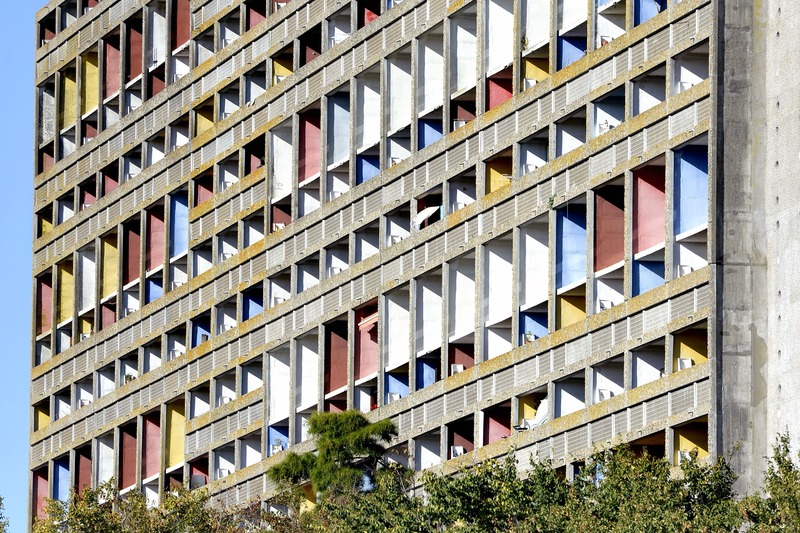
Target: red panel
(110, 183)
(280, 215)
(461, 435)
(335, 406)
(254, 17)
(203, 190)
(83, 476)
(111, 68)
(44, 305)
(648, 208)
(154, 245)
(310, 144)
(369, 16)
(134, 52)
(181, 20)
(87, 197)
(310, 54)
(496, 425)
(151, 446)
(90, 3)
(461, 112)
(47, 161)
(107, 316)
(127, 457)
(199, 468)
(89, 131)
(131, 256)
(335, 356)
(500, 89)
(39, 493)
(461, 354)
(366, 348)
(157, 83)
(609, 236)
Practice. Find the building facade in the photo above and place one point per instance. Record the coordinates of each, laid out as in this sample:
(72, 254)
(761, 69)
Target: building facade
(545, 225)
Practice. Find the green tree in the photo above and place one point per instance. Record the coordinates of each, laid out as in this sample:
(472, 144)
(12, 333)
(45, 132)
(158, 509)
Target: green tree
(349, 448)
(779, 510)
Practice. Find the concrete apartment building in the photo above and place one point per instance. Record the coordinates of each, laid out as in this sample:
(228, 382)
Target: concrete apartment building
(546, 225)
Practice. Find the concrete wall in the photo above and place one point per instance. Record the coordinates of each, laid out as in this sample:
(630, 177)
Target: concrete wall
(758, 201)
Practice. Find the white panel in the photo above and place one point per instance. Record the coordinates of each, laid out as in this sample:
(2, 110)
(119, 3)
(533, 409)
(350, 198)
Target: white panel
(534, 267)
(429, 314)
(571, 13)
(431, 72)
(536, 23)
(399, 84)
(158, 36)
(306, 391)
(427, 453)
(461, 300)
(398, 320)
(648, 365)
(463, 46)
(368, 110)
(569, 397)
(499, 35)
(250, 451)
(498, 278)
(87, 279)
(279, 384)
(105, 458)
(281, 171)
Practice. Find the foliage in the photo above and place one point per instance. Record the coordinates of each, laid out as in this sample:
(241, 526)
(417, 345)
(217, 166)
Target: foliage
(617, 491)
(104, 510)
(348, 448)
(780, 509)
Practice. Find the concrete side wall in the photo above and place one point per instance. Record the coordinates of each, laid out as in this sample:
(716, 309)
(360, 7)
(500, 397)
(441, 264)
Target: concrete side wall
(758, 205)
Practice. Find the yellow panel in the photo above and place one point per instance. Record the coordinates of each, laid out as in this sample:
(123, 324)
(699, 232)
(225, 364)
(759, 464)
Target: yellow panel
(85, 325)
(41, 419)
(281, 66)
(90, 91)
(497, 176)
(205, 119)
(44, 226)
(691, 344)
(570, 310)
(176, 433)
(691, 437)
(110, 261)
(310, 499)
(536, 68)
(66, 292)
(69, 99)
(528, 406)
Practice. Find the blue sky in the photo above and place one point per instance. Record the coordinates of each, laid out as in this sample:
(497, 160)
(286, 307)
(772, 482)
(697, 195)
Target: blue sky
(16, 173)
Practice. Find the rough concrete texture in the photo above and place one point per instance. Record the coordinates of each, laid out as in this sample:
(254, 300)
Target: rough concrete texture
(758, 196)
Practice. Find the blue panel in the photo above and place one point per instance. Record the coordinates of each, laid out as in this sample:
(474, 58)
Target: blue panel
(570, 49)
(338, 127)
(691, 188)
(396, 383)
(277, 435)
(644, 10)
(535, 323)
(198, 329)
(178, 224)
(426, 372)
(367, 167)
(61, 480)
(647, 275)
(153, 289)
(570, 245)
(429, 132)
(252, 305)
